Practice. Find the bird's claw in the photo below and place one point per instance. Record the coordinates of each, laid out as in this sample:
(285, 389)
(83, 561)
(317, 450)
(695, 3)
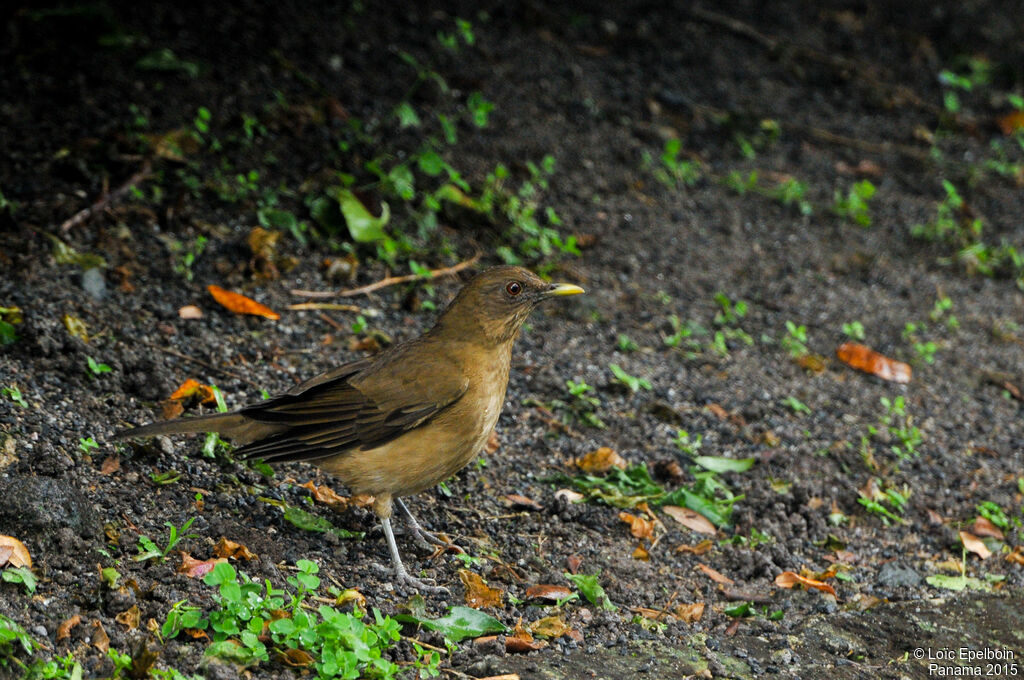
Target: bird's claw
(402, 577)
(431, 541)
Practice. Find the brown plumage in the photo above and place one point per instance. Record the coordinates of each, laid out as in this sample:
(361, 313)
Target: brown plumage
(403, 421)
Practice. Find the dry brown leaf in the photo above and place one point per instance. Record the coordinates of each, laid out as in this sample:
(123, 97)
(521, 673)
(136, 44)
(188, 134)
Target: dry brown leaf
(573, 563)
(863, 358)
(478, 593)
(983, 526)
(296, 658)
(110, 465)
(550, 626)
(327, 496)
(19, 556)
(194, 568)
(640, 527)
(641, 553)
(230, 549)
(351, 595)
(975, 545)
(64, 629)
(190, 312)
(241, 304)
(690, 519)
(516, 501)
(521, 641)
(788, 579)
(5, 554)
(715, 576)
(129, 617)
(814, 363)
(689, 613)
(171, 409)
(1016, 556)
(173, 145)
(601, 460)
(100, 639)
(698, 549)
(718, 411)
(551, 593)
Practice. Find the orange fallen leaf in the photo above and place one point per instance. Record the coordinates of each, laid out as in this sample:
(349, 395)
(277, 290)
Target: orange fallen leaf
(110, 465)
(863, 358)
(478, 593)
(241, 304)
(550, 626)
(640, 527)
(788, 579)
(699, 549)
(515, 500)
(18, 556)
(641, 553)
(551, 593)
(186, 389)
(230, 549)
(296, 658)
(690, 519)
(1016, 556)
(975, 545)
(715, 576)
(327, 496)
(601, 460)
(521, 641)
(194, 568)
(171, 409)
(1011, 122)
(64, 629)
(129, 618)
(100, 639)
(983, 526)
(689, 613)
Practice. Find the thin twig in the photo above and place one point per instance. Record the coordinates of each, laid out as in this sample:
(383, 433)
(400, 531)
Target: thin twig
(107, 198)
(205, 364)
(390, 281)
(331, 307)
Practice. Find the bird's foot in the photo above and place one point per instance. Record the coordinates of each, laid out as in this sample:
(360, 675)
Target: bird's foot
(438, 544)
(402, 577)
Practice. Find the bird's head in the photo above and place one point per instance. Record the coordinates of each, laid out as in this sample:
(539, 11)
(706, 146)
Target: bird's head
(496, 302)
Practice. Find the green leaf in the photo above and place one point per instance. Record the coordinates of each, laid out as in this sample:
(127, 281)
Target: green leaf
(592, 590)
(958, 583)
(739, 610)
(310, 522)
(363, 227)
(720, 464)
(460, 623)
(698, 504)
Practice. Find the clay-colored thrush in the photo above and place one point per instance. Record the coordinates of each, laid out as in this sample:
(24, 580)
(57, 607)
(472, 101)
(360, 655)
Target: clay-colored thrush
(402, 421)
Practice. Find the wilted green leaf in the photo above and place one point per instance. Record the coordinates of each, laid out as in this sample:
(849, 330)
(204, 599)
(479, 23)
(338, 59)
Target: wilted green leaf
(592, 590)
(363, 227)
(720, 464)
(460, 623)
(310, 522)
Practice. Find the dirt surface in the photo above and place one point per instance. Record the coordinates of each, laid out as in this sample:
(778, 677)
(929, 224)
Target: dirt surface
(824, 95)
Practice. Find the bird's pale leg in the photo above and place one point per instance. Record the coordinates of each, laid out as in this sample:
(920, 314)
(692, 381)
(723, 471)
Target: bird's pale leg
(399, 572)
(423, 537)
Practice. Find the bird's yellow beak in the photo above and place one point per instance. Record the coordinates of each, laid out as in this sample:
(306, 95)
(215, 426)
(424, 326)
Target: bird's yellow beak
(559, 289)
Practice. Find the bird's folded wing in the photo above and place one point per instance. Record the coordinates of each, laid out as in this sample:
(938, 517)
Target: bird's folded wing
(353, 407)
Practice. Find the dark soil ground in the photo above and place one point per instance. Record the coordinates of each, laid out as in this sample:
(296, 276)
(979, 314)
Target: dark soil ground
(824, 95)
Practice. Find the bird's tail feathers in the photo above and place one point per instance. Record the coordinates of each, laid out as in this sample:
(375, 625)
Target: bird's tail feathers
(228, 424)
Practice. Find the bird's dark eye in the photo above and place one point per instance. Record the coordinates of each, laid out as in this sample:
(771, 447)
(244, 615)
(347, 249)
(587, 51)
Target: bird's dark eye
(513, 288)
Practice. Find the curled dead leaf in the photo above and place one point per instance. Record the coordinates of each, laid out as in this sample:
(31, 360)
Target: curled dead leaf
(982, 526)
(516, 501)
(690, 519)
(863, 358)
(230, 549)
(478, 593)
(550, 626)
(550, 593)
(698, 549)
(64, 629)
(326, 495)
(100, 639)
(194, 568)
(573, 563)
(641, 553)
(18, 556)
(521, 641)
(241, 304)
(1016, 556)
(601, 460)
(129, 618)
(714, 575)
(110, 465)
(640, 527)
(788, 579)
(689, 613)
(296, 658)
(975, 545)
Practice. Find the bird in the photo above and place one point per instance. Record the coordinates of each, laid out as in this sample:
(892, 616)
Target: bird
(402, 421)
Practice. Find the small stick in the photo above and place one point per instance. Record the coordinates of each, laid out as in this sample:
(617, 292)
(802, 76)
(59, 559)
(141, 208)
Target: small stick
(106, 199)
(390, 281)
(329, 306)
